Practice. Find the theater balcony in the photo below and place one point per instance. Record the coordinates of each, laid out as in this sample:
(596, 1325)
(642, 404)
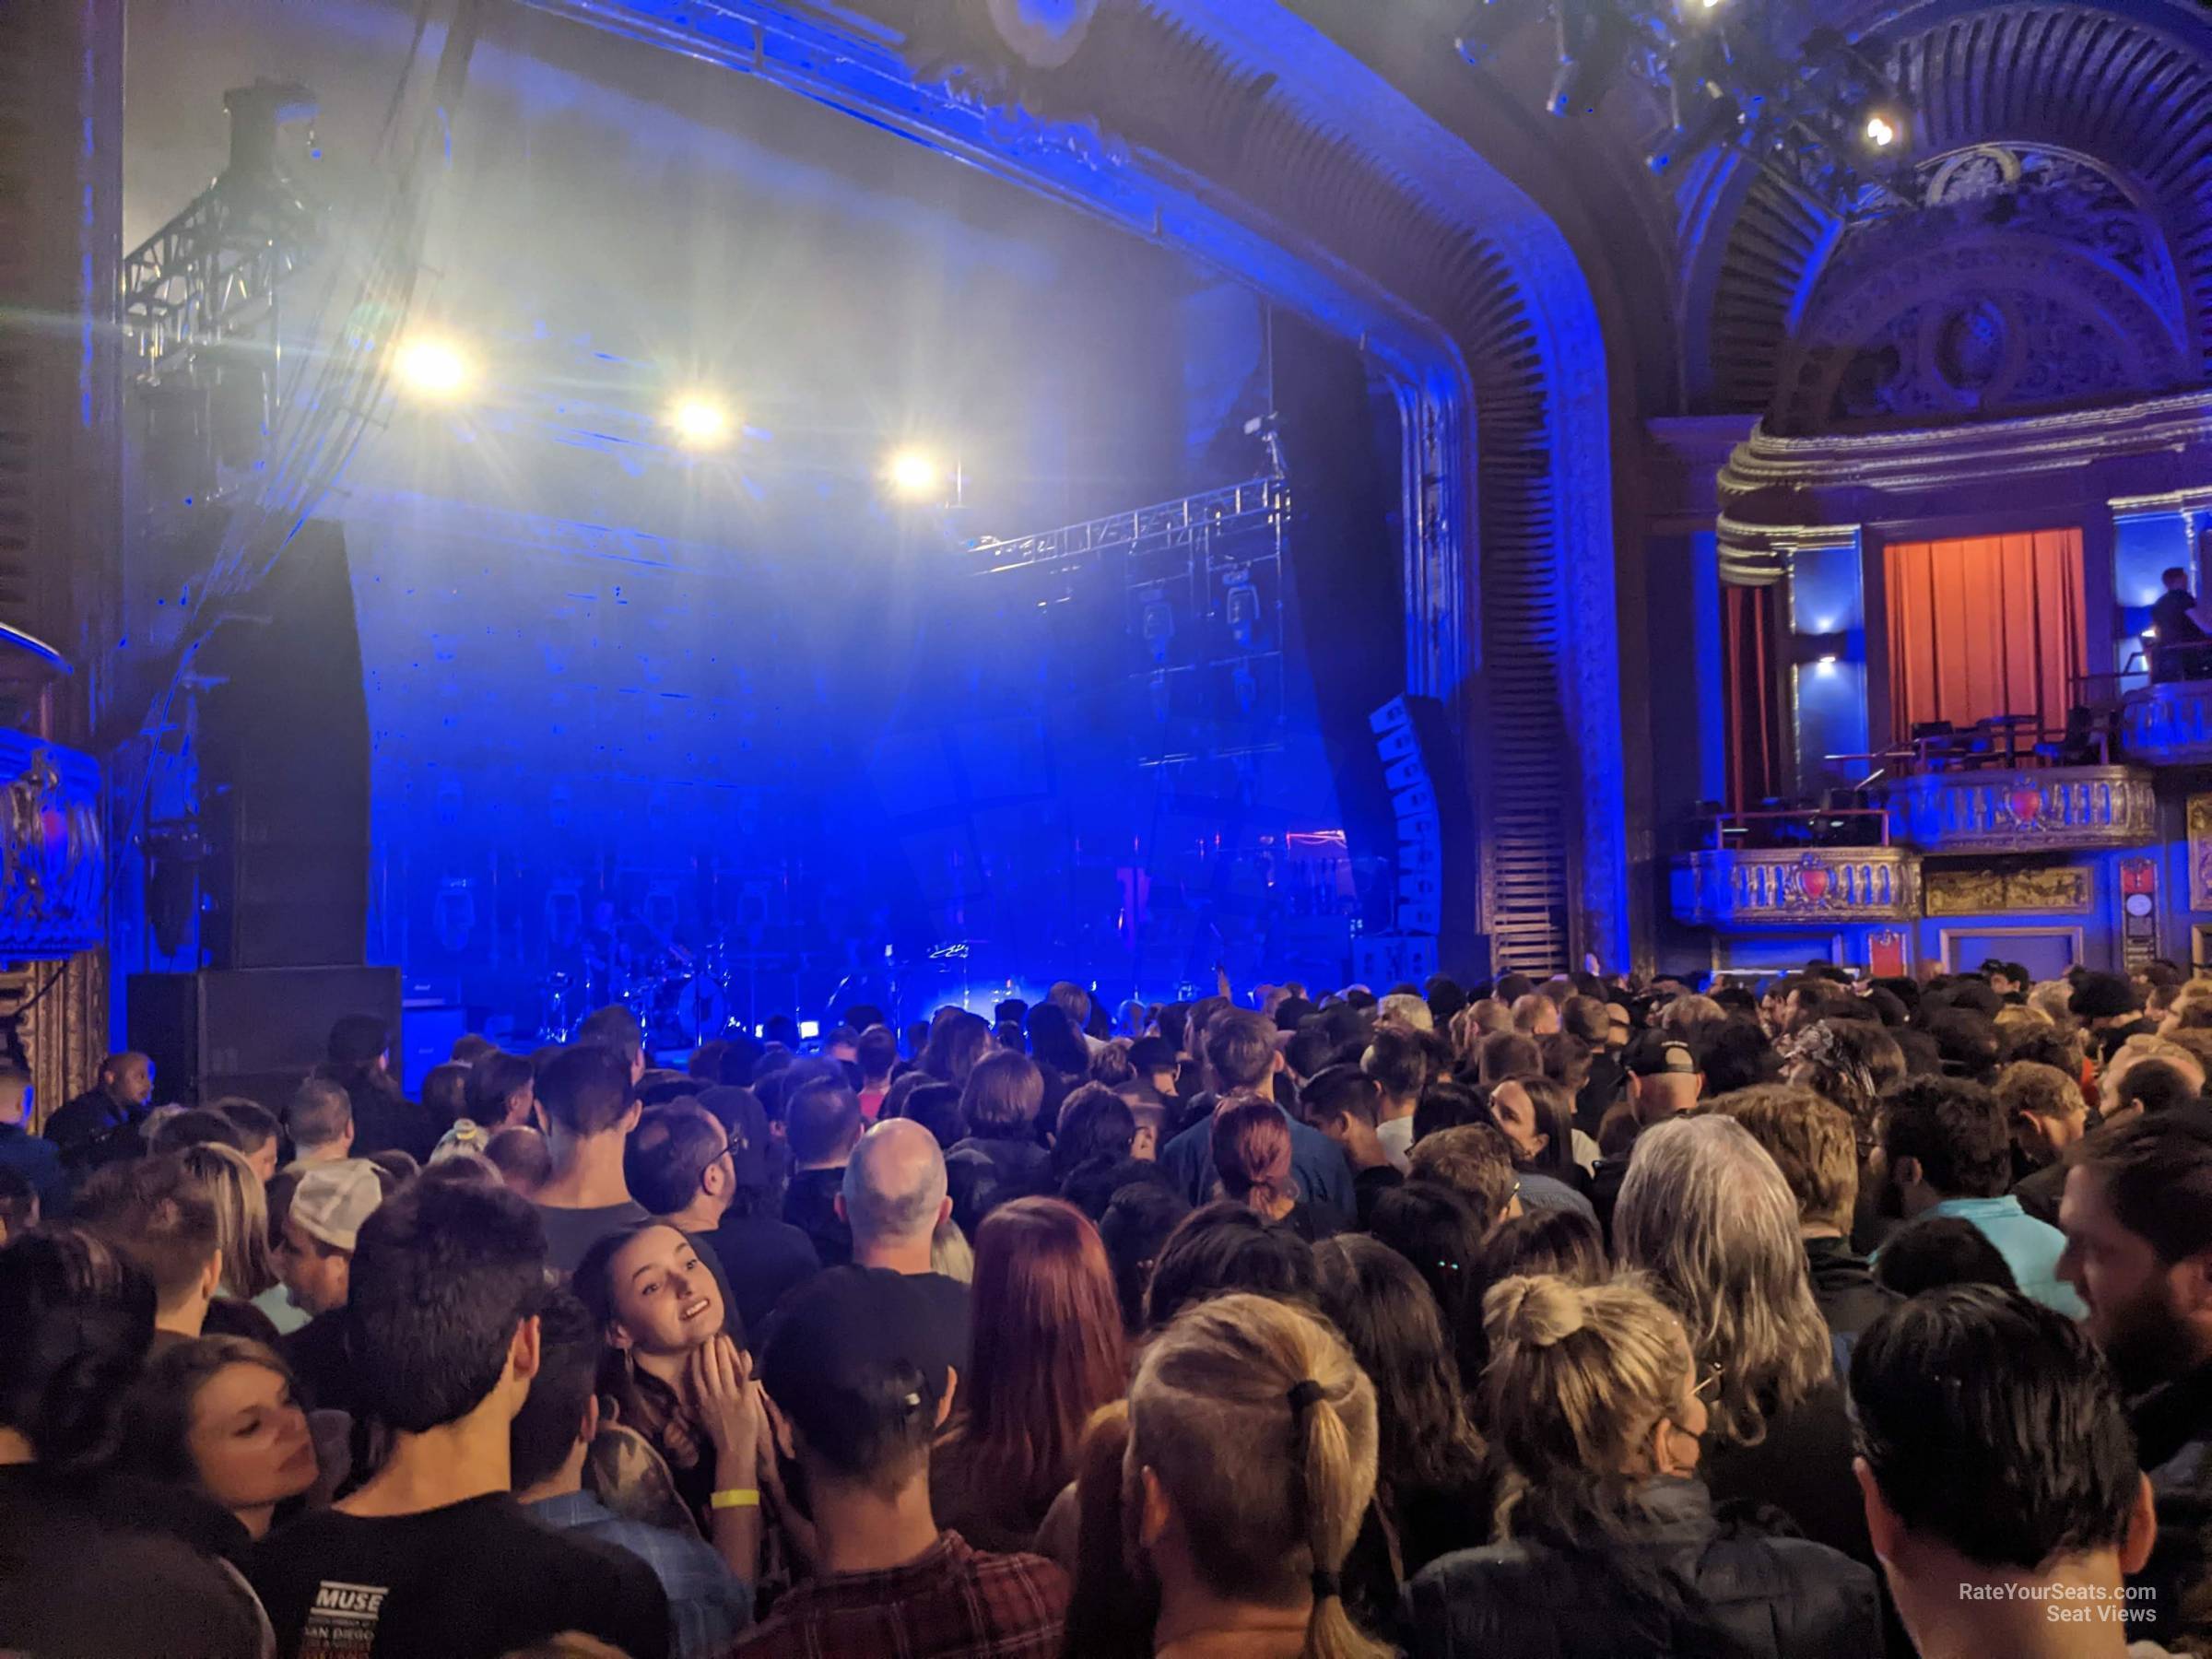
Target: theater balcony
(2028, 810)
(2169, 725)
(1771, 888)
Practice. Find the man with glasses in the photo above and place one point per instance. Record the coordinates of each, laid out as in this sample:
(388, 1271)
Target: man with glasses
(685, 1167)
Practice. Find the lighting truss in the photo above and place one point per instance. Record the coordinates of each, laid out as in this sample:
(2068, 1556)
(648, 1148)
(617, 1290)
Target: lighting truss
(212, 273)
(1811, 105)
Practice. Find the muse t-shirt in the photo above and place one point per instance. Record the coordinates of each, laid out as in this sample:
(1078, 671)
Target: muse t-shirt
(470, 1580)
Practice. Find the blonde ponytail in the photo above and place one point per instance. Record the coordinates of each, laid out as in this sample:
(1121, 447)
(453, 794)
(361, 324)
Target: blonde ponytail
(1222, 1395)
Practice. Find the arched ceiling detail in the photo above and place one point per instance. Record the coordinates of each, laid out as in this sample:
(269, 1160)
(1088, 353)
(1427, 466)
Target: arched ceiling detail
(2130, 89)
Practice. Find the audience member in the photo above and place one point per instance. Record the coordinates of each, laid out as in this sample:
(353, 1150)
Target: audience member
(616, 1028)
(895, 1199)
(2137, 1217)
(2147, 1083)
(1936, 1250)
(1475, 1161)
(2048, 1115)
(668, 1346)
(1812, 1143)
(1398, 1064)
(859, 1379)
(18, 1205)
(93, 1564)
(1252, 1163)
(2110, 1009)
(957, 1041)
(1135, 1226)
(445, 1095)
(823, 1124)
(692, 1173)
(523, 1158)
(1047, 1351)
(1432, 1490)
(1345, 1104)
(1247, 1546)
(1095, 1123)
(84, 1128)
(384, 1118)
(446, 1283)
(241, 1228)
(709, 1602)
(194, 1126)
(319, 1118)
(1241, 1059)
(1000, 1103)
(1611, 1548)
(217, 1415)
(37, 1158)
(2001, 1488)
(1536, 1116)
(1664, 1082)
(157, 1214)
(586, 1093)
(501, 1092)
(1705, 1212)
(1220, 1248)
(261, 1137)
(1946, 1150)
(1440, 1233)
(315, 1244)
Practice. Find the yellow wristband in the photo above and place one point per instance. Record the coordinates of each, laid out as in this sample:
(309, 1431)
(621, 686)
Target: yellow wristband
(735, 1497)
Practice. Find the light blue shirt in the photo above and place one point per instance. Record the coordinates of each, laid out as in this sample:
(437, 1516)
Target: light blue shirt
(284, 1313)
(2031, 1248)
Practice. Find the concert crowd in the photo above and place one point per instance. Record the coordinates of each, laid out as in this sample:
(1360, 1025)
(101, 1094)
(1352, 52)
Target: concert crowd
(1591, 1318)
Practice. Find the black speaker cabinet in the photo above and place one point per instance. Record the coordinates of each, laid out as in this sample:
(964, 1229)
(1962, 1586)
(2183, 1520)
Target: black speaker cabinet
(250, 1032)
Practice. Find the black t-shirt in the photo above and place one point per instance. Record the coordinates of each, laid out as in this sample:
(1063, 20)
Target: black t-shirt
(469, 1581)
(1371, 1184)
(2170, 615)
(758, 1258)
(810, 1205)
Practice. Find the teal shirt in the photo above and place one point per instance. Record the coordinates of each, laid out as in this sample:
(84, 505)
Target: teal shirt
(2031, 1248)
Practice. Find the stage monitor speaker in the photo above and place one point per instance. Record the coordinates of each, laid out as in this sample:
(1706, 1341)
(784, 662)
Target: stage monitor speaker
(284, 764)
(254, 1032)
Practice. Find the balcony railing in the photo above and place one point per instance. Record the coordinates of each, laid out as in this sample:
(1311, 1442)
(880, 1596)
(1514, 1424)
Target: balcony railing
(1789, 888)
(2045, 809)
(2169, 725)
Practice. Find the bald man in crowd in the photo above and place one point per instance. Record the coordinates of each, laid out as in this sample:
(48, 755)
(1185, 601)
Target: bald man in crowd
(895, 1199)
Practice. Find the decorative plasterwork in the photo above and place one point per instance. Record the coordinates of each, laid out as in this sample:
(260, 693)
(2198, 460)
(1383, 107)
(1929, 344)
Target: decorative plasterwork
(2048, 890)
(2098, 112)
(1994, 449)
(52, 851)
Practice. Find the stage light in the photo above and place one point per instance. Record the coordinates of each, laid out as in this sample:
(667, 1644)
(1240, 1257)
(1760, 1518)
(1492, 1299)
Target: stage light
(1828, 662)
(699, 422)
(433, 367)
(1881, 130)
(915, 474)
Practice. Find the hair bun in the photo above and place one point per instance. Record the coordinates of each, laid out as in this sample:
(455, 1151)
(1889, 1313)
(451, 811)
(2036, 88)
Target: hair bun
(1536, 1311)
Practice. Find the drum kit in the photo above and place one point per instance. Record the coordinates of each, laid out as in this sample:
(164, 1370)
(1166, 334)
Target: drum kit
(679, 996)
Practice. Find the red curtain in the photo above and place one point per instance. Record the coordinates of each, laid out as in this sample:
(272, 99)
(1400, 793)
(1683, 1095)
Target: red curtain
(1750, 682)
(1989, 625)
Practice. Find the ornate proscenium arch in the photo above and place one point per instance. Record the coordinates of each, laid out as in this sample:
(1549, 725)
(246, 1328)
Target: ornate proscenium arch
(2060, 250)
(1236, 130)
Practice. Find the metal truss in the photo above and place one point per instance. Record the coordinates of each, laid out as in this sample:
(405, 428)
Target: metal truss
(1145, 530)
